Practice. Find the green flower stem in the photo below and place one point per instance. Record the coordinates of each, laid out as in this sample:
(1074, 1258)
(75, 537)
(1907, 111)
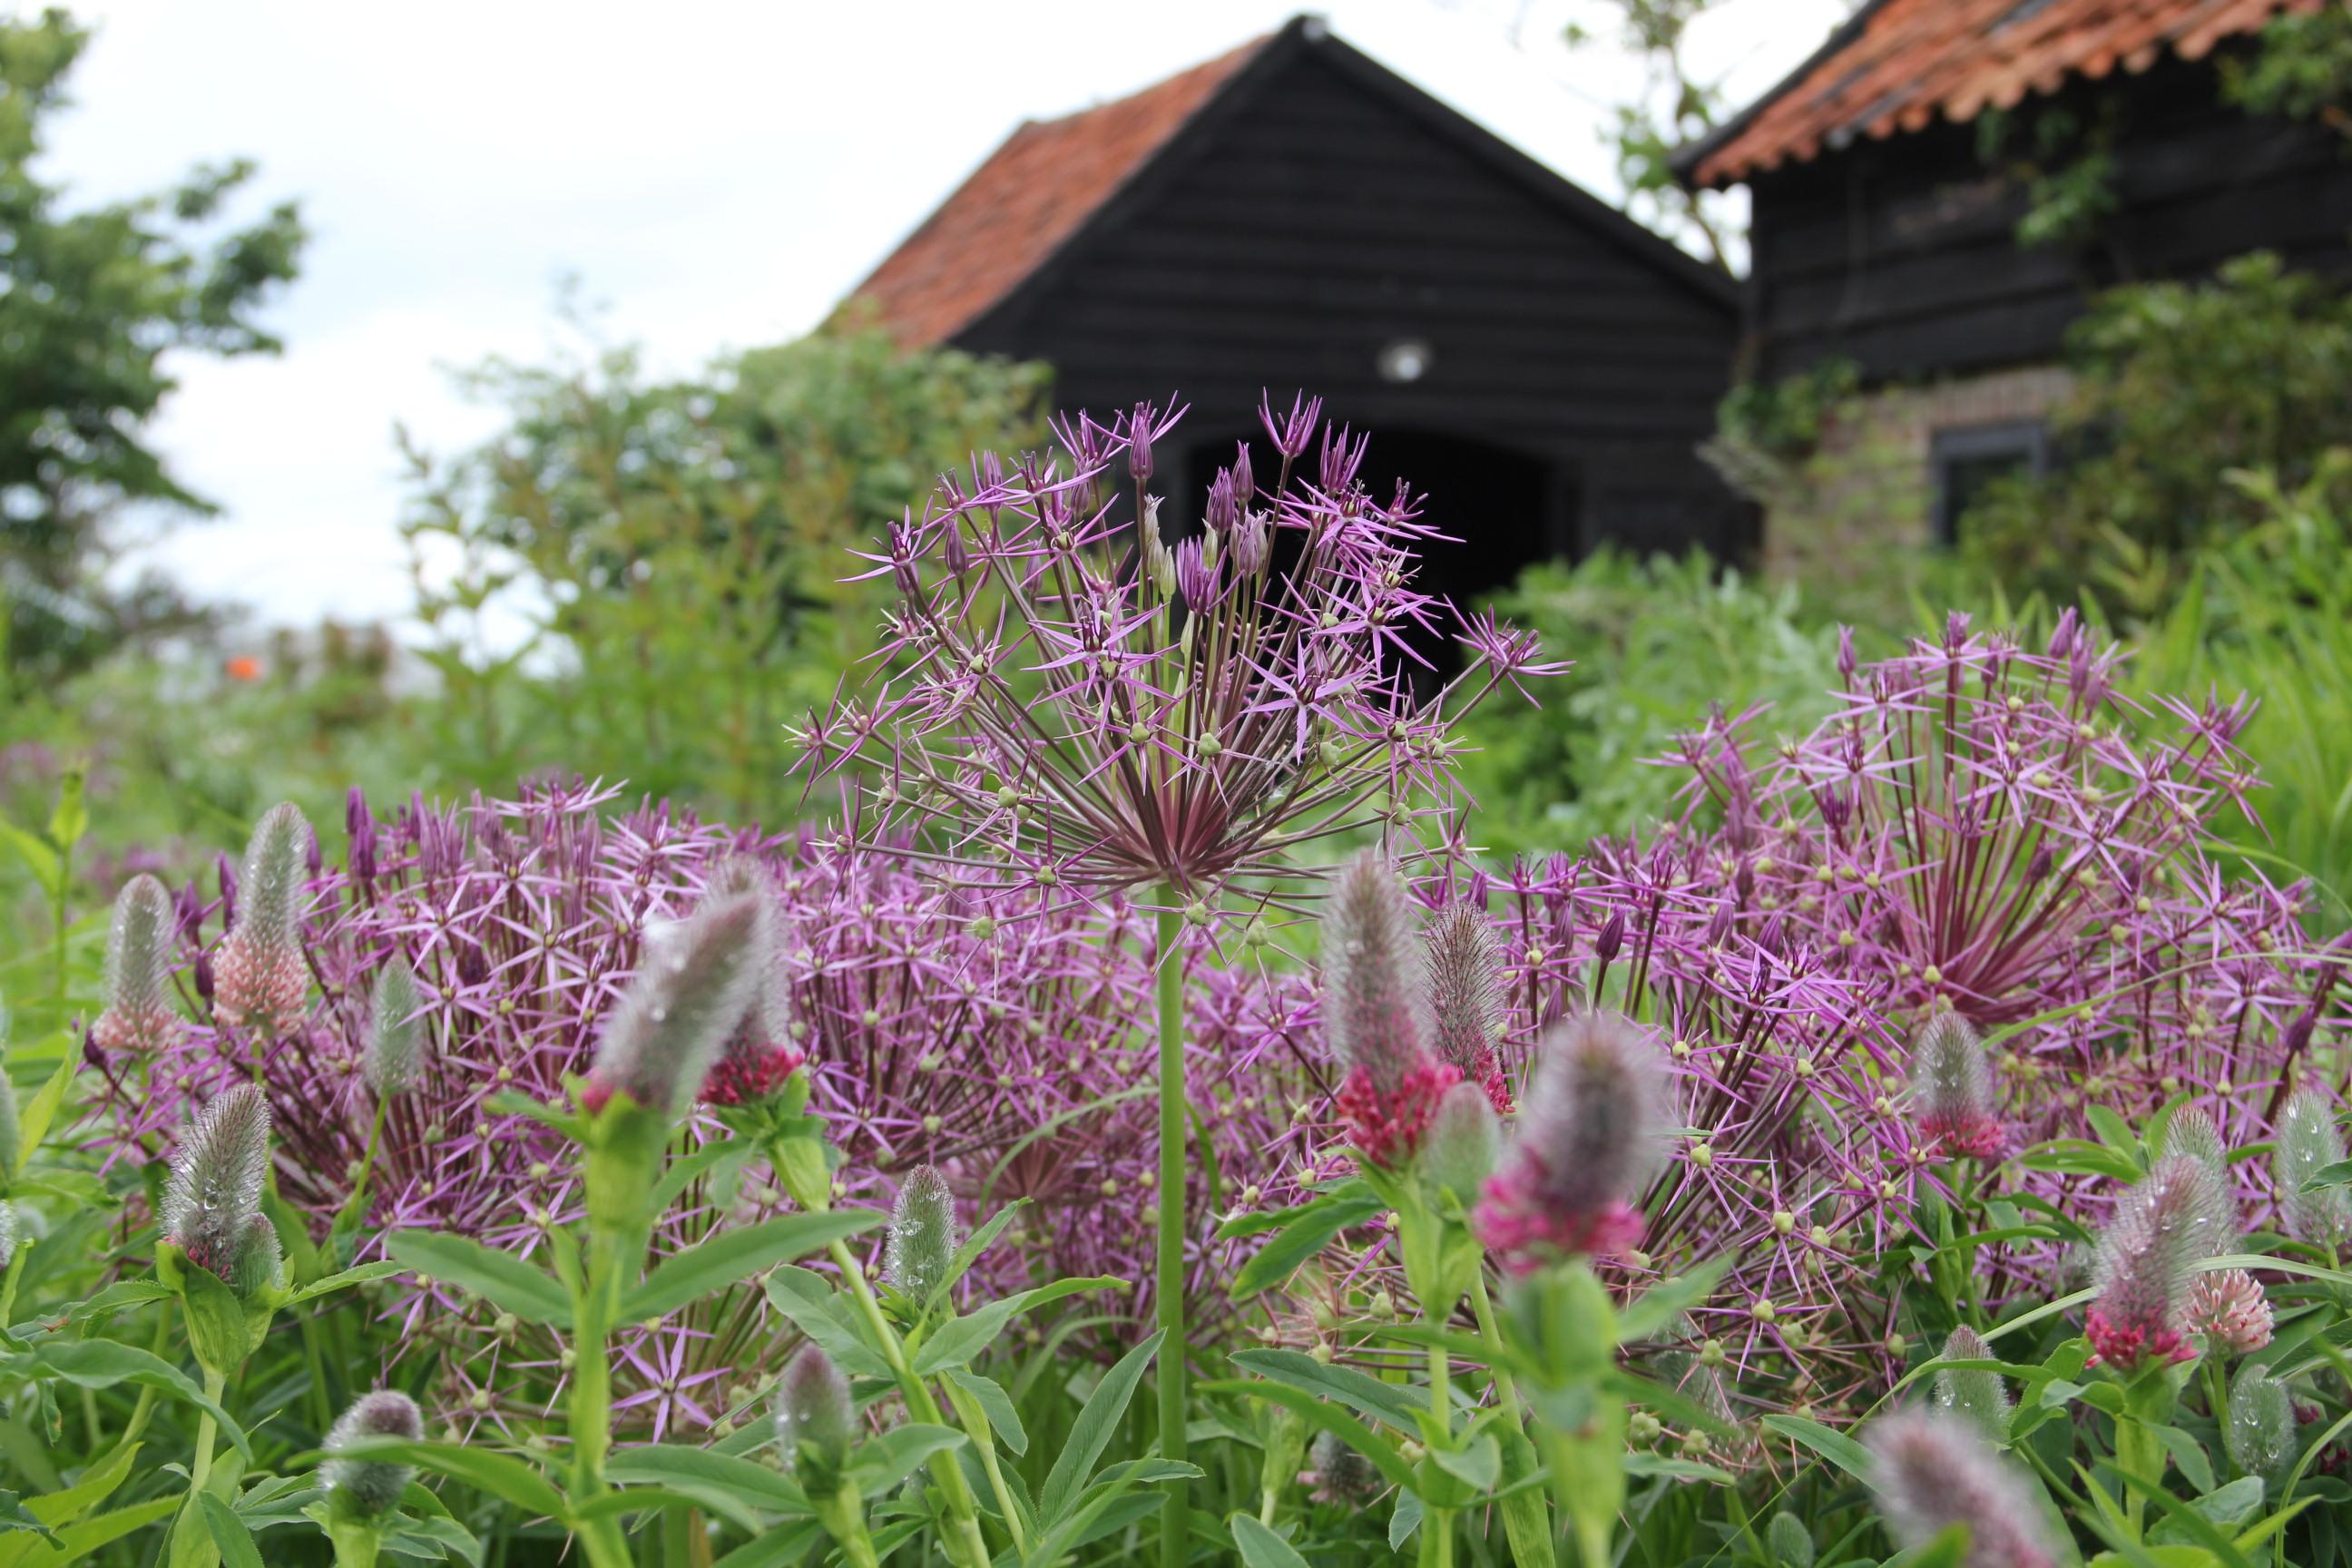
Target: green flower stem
(974, 1423)
(1437, 1527)
(1169, 1278)
(844, 1519)
(2138, 1449)
(591, 1411)
(357, 1543)
(944, 1469)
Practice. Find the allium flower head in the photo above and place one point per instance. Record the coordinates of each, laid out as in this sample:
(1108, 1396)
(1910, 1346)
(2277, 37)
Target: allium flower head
(923, 1238)
(1463, 963)
(1376, 1013)
(1952, 1085)
(2175, 1218)
(1591, 1136)
(214, 1192)
(2306, 1143)
(2261, 1433)
(1981, 1396)
(698, 979)
(138, 1014)
(1335, 1473)
(816, 1420)
(395, 1041)
(259, 977)
(1465, 1137)
(763, 1050)
(371, 1486)
(2228, 1306)
(1931, 1471)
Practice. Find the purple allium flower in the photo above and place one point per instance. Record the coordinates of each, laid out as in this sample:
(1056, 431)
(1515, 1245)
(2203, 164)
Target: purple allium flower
(2228, 1306)
(1463, 965)
(816, 1420)
(2261, 1431)
(213, 1190)
(700, 979)
(140, 951)
(259, 979)
(1981, 1396)
(1931, 1471)
(372, 1486)
(2308, 1143)
(395, 1041)
(1591, 1136)
(922, 1240)
(1376, 1013)
(1951, 1084)
(2176, 1218)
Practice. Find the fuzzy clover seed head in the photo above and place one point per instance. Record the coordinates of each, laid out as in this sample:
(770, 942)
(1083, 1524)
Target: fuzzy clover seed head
(923, 1237)
(214, 1190)
(371, 1486)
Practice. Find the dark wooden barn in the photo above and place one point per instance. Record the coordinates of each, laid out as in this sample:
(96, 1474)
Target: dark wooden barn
(1294, 216)
(1886, 234)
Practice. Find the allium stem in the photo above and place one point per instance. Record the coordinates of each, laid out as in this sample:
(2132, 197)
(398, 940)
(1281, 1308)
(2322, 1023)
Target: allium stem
(1174, 1526)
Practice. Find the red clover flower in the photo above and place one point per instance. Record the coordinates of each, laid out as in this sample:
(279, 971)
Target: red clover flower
(2176, 1218)
(260, 978)
(1376, 1013)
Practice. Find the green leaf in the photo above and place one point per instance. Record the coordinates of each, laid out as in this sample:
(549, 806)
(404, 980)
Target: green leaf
(78, 1541)
(734, 1255)
(228, 1532)
(1324, 1417)
(32, 1121)
(723, 1483)
(1261, 1547)
(33, 852)
(102, 1363)
(502, 1279)
(119, 1296)
(968, 1253)
(1003, 1417)
(881, 1463)
(809, 1301)
(1479, 1465)
(1308, 1232)
(1092, 1431)
(1835, 1446)
(779, 1547)
(380, 1269)
(1383, 1402)
(685, 1171)
(1405, 1518)
(501, 1475)
(961, 1340)
(217, 1328)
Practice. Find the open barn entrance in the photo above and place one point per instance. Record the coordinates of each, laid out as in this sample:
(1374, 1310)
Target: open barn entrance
(1500, 509)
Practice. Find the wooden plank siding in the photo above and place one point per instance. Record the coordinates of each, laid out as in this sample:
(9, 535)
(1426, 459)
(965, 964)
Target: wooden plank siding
(1321, 209)
(1902, 256)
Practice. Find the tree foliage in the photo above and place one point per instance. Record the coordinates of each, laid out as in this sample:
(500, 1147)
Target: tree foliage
(93, 303)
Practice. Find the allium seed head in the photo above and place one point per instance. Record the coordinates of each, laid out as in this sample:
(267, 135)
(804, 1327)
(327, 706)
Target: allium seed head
(260, 978)
(2175, 1218)
(1981, 1396)
(1465, 1136)
(1951, 1087)
(2308, 1142)
(2261, 1432)
(372, 1486)
(2229, 1307)
(923, 1238)
(1931, 1471)
(1591, 1136)
(213, 1190)
(395, 1042)
(139, 1016)
(1465, 1008)
(816, 1420)
(698, 979)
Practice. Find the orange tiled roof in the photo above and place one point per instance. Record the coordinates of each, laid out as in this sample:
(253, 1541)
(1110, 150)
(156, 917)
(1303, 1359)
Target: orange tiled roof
(1901, 63)
(1033, 194)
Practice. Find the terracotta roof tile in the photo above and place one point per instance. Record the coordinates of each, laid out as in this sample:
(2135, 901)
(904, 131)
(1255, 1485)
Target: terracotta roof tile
(1905, 62)
(1033, 191)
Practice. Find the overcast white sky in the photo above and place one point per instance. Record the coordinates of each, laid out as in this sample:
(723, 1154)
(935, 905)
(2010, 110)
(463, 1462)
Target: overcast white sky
(717, 174)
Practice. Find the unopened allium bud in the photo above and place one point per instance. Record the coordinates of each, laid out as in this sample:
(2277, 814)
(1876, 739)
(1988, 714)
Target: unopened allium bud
(758, 1055)
(259, 977)
(138, 1014)
(1610, 939)
(1335, 1473)
(2307, 1143)
(1458, 1151)
(1931, 1471)
(2261, 1432)
(923, 1237)
(359, 821)
(1464, 1007)
(695, 983)
(1982, 1396)
(2229, 1307)
(1592, 1134)
(2174, 1219)
(372, 1486)
(395, 1043)
(816, 1420)
(1951, 1087)
(1376, 1013)
(1252, 546)
(215, 1187)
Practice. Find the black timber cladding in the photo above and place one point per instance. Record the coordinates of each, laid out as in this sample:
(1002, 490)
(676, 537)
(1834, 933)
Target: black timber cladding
(1321, 208)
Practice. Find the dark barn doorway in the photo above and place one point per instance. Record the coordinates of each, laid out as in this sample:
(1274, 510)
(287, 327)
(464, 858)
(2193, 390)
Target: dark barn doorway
(1500, 509)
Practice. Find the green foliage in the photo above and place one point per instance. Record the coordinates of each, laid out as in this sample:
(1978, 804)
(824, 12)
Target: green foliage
(2177, 385)
(1673, 108)
(2301, 69)
(91, 305)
